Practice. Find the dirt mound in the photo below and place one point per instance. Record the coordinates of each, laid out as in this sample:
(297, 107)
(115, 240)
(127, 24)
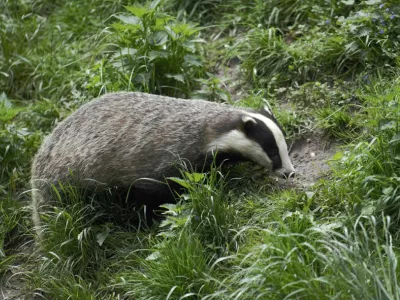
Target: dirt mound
(310, 158)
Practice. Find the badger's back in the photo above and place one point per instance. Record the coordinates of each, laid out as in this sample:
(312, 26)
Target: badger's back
(122, 137)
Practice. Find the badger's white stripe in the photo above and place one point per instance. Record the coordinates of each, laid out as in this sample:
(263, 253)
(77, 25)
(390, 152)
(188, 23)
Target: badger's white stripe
(280, 141)
(236, 140)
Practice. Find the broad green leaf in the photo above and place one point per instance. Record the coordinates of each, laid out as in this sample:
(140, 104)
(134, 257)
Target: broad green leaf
(4, 102)
(180, 28)
(171, 33)
(157, 54)
(138, 10)
(101, 237)
(161, 21)
(353, 28)
(351, 47)
(153, 256)
(348, 2)
(222, 95)
(368, 210)
(124, 52)
(364, 31)
(191, 60)
(386, 124)
(388, 190)
(159, 38)
(371, 178)
(142, 78)
(177, 77)
(189, 46)
(129, 19)
(154, 4)
(172, 209)
(122, 27)
(373, 2)
(194, 177)
(395, 139)
(338, 155)
(180, 181)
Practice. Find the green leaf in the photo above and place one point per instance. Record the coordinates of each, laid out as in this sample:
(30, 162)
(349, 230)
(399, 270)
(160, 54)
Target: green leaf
(191, 60)
(138, 10)
(172, 209)
(373, 2)
(154, 4)
(153, 256)
(157, 54)
(387, 191)
(223, 95)
(386, 124)
(351, 47)
(171, 33)
(123, 27)
(101, 237)
(194, 177)
(180, 181)
(177, 77)
(395, 139)
(159, 38)
(4, 102)
(161, 21)
(132, 20)
(371, 178)
(364, 32)
(124, 52)
(338, 155)
(348, 2)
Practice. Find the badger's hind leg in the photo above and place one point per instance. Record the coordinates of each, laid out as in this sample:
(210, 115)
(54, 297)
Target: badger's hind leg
(41, 197)
(151, 199)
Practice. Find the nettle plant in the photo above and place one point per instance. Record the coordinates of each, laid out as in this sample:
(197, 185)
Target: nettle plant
(373, 32)
(155, 53)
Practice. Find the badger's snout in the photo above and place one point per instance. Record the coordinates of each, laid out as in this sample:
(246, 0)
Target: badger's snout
(285, 173)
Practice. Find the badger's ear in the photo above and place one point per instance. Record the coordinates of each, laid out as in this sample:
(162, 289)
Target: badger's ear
(247, 122)
(266, 110)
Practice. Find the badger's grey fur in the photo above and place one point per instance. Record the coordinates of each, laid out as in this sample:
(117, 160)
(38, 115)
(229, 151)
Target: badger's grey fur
(122, 137)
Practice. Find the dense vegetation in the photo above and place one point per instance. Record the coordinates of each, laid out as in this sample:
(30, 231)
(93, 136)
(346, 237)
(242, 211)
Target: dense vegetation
(335, 64)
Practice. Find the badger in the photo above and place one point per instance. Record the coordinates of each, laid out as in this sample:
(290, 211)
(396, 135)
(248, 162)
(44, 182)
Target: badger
(124, 139)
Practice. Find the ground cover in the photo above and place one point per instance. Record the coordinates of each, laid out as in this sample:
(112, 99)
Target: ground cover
(330, 71)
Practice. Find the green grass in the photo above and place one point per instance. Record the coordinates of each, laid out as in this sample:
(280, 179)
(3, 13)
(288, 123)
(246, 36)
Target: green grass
(326, 68)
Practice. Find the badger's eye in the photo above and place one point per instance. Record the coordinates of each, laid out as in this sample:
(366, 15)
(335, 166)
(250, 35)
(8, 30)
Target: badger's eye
(273, 154)
(275, 159)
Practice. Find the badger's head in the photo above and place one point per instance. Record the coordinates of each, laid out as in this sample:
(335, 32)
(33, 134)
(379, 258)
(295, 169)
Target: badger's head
(257, 137)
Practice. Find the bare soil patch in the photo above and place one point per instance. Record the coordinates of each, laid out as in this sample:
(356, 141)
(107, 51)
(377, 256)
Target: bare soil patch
(11, 287)
(310, 157)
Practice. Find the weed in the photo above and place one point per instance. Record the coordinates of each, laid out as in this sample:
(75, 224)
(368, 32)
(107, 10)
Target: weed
(155, 54)
(204, 11)
(178, 268)
(212, 90)
(354, 45)
(338, 123)
(205, 208)
(316, 263)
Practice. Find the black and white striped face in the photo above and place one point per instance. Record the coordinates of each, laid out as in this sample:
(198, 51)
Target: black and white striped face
(260, 139)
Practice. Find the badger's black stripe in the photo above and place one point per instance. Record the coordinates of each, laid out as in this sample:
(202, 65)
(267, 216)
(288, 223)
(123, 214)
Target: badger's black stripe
(265, 113)
(261, 134)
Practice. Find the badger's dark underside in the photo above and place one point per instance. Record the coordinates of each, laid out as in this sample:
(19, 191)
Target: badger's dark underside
(139, 204)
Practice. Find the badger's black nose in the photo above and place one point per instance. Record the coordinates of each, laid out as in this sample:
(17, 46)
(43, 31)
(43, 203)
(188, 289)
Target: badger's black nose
(289, 175)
